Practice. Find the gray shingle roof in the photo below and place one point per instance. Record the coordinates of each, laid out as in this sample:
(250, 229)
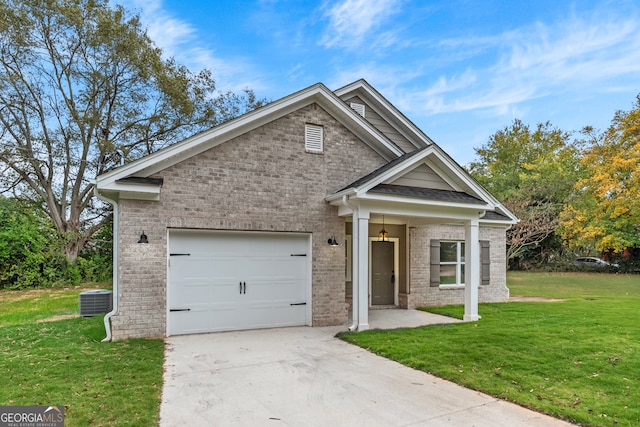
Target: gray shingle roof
(426, 193)
(493, 215)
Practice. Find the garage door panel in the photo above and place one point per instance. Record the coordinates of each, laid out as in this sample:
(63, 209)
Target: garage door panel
(235, 281)
(280, 315)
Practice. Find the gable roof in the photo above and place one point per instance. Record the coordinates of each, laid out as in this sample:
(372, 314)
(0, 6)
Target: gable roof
(465, 189)
(112, 184)
(132, 180)
(363, 90)
(426, 193)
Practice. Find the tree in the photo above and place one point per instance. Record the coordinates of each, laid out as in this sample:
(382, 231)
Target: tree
(23, 245)
(532, 172)
(82, 87)
(604, 211)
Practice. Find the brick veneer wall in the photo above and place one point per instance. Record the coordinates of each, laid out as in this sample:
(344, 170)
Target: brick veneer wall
(260, 181)
(423, 294)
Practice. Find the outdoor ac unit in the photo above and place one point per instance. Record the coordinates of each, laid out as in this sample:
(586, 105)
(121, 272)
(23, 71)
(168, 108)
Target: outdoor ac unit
(95, 302)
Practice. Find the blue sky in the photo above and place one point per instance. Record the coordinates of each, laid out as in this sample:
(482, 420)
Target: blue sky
(459, 69)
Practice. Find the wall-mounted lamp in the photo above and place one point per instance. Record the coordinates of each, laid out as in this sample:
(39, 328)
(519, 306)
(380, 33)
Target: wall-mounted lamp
(332, 241)
(383, 235)
(143, 238)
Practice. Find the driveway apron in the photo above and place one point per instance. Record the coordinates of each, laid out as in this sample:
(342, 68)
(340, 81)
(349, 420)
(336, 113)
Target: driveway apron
(304, 376)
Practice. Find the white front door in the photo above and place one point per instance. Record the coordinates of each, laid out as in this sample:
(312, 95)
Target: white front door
(221, 281)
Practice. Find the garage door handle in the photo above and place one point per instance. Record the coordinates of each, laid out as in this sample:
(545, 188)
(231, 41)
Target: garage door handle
(180, 309)
(299, 303)
(243, 289)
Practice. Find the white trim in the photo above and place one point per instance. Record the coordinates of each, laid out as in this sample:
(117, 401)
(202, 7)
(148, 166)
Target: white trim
(396, 267)
(402, 124)
(459, 264)
(456, 177)
(320, 94)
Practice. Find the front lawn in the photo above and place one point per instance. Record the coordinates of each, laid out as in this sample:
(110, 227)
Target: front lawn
(578, 359)
(50, 356)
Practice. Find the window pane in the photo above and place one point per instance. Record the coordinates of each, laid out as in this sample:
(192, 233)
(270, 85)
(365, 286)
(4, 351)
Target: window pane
(448, 274)
(462, 274)
(448, 252)
(462, 252)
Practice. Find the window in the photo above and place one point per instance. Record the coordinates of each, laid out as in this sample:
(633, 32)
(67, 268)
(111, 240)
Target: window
(313, 138)
(447, 264)
(359, 108)
(451, 263)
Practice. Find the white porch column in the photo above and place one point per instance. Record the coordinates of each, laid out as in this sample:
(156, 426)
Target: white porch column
(362, 224)
(355, 290)
(472, 269)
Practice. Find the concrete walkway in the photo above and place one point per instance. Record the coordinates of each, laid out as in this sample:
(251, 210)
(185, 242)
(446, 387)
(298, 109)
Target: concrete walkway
(305, 376)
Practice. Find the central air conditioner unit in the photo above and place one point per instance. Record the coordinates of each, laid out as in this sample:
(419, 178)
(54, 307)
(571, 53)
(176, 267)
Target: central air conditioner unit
(95, 302)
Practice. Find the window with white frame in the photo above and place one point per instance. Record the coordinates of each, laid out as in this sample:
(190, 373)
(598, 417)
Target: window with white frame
(447, 266)
(451, 263)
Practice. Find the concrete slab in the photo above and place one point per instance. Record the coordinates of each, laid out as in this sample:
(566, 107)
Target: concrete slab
(398, 318)
(306, 377)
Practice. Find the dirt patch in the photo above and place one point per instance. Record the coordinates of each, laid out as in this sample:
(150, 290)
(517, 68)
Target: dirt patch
(56, 318)
(534, 299)
(22, 294)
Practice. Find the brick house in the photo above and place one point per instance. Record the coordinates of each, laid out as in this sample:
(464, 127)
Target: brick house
(311, 210)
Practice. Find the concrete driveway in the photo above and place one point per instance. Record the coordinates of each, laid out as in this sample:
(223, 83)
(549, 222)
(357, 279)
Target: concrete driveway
(304, 376)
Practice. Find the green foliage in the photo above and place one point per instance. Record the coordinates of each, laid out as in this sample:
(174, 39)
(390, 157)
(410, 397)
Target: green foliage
(541, 162)
(31, 256)
(604, 212)
(577, 359)
(23, 245)
(532, 171)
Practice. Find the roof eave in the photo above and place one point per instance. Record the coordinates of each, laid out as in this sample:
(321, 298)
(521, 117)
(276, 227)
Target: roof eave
(196, 144)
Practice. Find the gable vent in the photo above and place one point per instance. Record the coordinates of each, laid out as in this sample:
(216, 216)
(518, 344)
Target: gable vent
(313, 136)
(359, 108)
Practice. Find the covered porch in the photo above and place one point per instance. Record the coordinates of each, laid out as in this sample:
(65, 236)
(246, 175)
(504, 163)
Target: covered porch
(428, 199)
(381, 245)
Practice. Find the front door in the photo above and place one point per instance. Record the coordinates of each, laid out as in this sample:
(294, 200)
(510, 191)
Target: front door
(383, 276)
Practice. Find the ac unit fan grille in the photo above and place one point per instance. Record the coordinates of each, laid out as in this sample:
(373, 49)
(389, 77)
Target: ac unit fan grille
(95, 302)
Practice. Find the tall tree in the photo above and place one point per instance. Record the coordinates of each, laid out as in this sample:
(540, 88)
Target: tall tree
(80, 80)
(532, 171)
(604, 212)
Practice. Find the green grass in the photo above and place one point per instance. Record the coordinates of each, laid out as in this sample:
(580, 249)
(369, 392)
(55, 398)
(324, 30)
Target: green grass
(50, 356)
(578, 359)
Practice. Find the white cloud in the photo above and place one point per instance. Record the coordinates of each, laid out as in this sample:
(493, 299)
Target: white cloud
(351, 21)
(575, 55)
(178, 38)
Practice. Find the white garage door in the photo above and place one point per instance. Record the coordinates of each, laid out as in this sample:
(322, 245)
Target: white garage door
(222, 281)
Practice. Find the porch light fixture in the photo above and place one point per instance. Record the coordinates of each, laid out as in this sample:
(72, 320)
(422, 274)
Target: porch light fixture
(383, 235)
(143, 238)
(332, 241)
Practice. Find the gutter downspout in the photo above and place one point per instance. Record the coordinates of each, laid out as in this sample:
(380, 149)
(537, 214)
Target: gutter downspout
(354, 269)
(114, 311)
